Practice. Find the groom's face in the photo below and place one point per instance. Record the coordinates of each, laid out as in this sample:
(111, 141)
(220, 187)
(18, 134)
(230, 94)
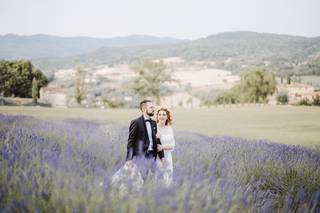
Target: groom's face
(149, 108)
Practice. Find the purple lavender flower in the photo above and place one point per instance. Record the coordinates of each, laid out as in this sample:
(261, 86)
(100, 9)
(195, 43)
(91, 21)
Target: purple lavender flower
(55, 165)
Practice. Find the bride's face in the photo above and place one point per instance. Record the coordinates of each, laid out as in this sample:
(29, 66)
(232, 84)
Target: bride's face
(162, 117)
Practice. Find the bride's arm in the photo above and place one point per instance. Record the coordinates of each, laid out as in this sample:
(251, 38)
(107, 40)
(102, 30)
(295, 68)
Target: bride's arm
(168, 147)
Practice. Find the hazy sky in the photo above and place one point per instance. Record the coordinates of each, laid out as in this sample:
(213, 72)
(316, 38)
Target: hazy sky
(175, 18)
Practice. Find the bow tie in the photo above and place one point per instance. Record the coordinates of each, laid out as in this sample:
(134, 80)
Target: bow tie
(148, 120)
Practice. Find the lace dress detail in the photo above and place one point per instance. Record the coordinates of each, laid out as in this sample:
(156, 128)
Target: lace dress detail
(167, 138)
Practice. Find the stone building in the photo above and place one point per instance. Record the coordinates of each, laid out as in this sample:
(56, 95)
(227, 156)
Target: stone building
(180, 100)
(54, 95)
(296, 92)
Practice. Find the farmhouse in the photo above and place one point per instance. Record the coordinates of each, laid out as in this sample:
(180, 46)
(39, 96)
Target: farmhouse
(54, 95)
(180, 100)
(297, 92)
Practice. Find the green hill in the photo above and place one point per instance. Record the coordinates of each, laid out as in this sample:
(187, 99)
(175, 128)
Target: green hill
(231, 50)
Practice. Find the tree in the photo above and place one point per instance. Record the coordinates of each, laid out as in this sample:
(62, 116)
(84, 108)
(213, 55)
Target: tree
(80, 90)
(314, 66)
(35, 90)
(288, 79)
(316, 100)
(229, 97)
(305, 101)
(283, 97)
(16, 78)
(256, 85)
(151, 75)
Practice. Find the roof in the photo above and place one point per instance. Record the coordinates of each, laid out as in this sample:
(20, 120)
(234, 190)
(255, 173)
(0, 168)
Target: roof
(299, 86)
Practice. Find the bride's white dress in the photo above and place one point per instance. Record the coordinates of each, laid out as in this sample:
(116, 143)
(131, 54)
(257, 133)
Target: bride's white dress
(167, 138)
(130, 173)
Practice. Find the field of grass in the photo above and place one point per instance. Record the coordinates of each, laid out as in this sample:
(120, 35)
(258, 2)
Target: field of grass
(282, 124)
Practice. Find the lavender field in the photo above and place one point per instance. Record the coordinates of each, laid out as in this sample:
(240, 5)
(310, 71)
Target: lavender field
(66, 166)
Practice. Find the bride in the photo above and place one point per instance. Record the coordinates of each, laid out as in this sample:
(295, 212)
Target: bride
(166, 136)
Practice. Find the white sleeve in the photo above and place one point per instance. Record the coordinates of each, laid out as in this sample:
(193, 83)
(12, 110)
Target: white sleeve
(172, 141)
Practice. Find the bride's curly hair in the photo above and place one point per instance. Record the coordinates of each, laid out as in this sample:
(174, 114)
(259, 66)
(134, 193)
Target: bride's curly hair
(169, 120)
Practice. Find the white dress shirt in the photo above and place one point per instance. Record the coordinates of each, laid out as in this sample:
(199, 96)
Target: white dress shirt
(149, 130)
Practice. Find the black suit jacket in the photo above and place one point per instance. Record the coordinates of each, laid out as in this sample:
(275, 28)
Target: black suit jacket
(138, 140)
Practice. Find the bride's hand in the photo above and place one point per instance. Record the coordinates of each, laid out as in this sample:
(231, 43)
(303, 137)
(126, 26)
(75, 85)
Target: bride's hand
(129, 163)
(163, 162)
(158, 135)
(159, 147)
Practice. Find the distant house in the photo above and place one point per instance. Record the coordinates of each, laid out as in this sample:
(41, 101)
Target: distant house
(297, 92)
(54, 95)
(180, 100)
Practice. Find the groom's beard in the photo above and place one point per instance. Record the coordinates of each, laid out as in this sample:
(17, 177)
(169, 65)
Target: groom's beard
(150, 114)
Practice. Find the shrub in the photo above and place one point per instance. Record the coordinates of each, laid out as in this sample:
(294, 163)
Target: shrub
(230, 97)
(283, 97)
(305, 102)
(316, 100)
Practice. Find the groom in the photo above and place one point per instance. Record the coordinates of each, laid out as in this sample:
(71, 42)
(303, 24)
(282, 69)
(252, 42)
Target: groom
(142, 139)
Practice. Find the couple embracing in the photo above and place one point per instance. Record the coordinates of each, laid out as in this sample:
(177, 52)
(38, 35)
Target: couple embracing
(152, 141)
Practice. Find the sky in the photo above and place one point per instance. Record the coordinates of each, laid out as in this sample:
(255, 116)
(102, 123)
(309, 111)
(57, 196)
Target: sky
(186, 19)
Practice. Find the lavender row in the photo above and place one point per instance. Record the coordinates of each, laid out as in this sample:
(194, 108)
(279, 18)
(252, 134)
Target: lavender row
(66, 166)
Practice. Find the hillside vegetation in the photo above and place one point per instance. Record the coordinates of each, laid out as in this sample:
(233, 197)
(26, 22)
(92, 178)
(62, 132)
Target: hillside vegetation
(231, 51)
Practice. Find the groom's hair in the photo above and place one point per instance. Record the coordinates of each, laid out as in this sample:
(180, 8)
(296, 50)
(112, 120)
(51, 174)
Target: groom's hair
(142, 103)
